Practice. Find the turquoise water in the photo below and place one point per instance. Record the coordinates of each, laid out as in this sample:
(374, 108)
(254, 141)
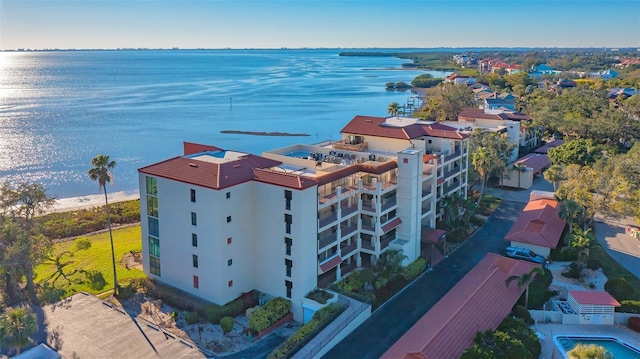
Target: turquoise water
(616, 349)
(60, 109)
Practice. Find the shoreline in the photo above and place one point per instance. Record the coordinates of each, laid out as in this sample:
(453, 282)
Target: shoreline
(90, 201)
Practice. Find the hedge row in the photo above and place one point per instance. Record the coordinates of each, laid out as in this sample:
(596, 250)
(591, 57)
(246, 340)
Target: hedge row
(269, 314)
(215, 313)
(629, 306)
(80, 222)
(307, 332)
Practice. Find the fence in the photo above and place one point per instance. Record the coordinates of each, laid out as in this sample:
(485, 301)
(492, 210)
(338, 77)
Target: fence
(555, 316)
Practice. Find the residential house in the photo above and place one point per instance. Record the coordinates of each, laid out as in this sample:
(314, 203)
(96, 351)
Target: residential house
(524, 170)
(218, 223)
(460, 79)
(539, 227)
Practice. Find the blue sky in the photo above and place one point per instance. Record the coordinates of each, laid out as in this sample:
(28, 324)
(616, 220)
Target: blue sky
(313, 23)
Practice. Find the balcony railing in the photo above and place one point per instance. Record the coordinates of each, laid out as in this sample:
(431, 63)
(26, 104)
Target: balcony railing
(388, 203)
(368, 206)
(334, 194)
(345, 211)
(345, 145)
(452, 156)
(385, 240)
(448, 174)
(326, 221)
(328, 240)
(346, 249)
(347, 230)
(368, 227)
(426, 193)
(366, 244)
(347, 268)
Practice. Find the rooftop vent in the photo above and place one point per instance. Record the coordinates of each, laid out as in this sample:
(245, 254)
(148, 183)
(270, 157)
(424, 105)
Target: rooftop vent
(237, 166)
(191, 164)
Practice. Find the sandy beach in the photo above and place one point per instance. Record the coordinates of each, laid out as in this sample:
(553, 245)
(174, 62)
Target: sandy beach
(84, 202)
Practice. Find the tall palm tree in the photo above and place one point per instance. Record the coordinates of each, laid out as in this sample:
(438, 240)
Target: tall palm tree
(483, 163)
(101, 172)
(524, 281)
(520, 168)
(581, 242)
(554, 175)
(17, 326)
(570, 210)
(393, 108)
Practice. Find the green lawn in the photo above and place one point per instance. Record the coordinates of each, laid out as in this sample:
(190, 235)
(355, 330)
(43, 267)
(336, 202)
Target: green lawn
(488, 204)
(89, 270)
(612, 269)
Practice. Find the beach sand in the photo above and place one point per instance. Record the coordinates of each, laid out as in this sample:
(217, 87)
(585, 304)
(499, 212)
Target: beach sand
(93, 200)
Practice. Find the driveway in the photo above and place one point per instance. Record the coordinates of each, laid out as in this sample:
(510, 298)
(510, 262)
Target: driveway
(389, 322)
(623, 248)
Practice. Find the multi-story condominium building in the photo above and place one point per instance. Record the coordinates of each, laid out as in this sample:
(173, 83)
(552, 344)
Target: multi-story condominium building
(218, 223)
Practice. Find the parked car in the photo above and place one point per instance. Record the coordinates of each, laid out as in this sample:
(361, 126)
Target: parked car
(526, 254)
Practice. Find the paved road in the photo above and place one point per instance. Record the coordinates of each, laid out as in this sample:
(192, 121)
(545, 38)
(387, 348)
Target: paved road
(389, 322)
(623, 248)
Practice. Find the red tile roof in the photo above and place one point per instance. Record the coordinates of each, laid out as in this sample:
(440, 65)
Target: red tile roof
(330, 264)
(480, 301)
(538, 224)
(584, 297)
(432, 235)
(548, 146)
(360, 167)
(391, 225)
(225, 174)
(191, 148)
(537, 161)
(374, 126)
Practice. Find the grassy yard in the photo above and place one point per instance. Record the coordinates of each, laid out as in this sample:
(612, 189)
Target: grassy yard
(612, 269)
(488, 204)
(89, 270)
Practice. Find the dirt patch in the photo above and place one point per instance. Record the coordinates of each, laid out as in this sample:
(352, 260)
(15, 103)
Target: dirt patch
(592, 279)
(132, 260)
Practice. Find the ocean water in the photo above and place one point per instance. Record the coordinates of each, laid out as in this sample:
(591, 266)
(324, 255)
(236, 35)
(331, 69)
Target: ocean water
(60, 109)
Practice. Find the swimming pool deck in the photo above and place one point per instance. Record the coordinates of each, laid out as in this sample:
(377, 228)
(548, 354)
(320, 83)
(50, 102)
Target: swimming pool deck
(549, 349)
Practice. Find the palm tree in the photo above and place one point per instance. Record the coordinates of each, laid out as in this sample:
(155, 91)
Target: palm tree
(519, 167)
(524, 281)
(483, 163)
(581, 242)
(391, 263)
(101, 172)
(554, 175)
(393, 109)
(17, 325)
(570, 210)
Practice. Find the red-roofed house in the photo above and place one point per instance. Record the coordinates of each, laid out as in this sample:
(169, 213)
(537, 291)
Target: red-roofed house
(480, 301)
(538, 228)
(524, 169)
(217, 223)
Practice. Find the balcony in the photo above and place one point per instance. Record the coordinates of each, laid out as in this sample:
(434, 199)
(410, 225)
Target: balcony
(348, 230)
(368, 227)
(426, 209)
(367, 244)
(368, 206)
(388, 203)
(333, 196)
(451, 173)
(328, 220)
(347, 249)
(426, 193)
(348, 146)
(327, 240)
(452, 156)
(386, 239)
(347, 268)
(346, 211)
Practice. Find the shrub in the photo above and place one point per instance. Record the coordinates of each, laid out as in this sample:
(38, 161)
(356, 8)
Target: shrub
(319, 295)
(573, 271)
(414, 269)
(270, 313)
(538, 289)
(593, 264)
(629, 306)
(564, 254)
(300, 338)
(634, 324)
(589, 351)
(215, 312)
(521, 312)
(192, 318)
(518, 329)
(227, 324)
(619, 288)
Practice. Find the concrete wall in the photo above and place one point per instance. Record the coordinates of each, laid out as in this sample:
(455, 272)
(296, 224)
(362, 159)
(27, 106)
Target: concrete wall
(511, 179)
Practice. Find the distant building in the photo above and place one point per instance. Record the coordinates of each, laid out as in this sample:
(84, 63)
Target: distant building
(217, 223)
(460, 79)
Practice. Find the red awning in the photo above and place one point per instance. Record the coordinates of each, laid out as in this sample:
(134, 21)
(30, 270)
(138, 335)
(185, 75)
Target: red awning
(391, 225)
(433, 235)
(330, 264)
(440, 180)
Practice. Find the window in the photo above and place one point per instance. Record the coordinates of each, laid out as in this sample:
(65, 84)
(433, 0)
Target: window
(287, 196)
(194, 219)
(193, 195)
(196, 282)
(288, 242)
(230, 284)
(195, 261)
(228, 195)
(288, 263)
(228, 219)
(229, 240)
(154, 227)
(229, 262)
(287, 221)
(289, 286)
(152, 206)
(154, 246)
(154, 265)
(429, 141)
(405, 160)
(152, 185)
(194, 239)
